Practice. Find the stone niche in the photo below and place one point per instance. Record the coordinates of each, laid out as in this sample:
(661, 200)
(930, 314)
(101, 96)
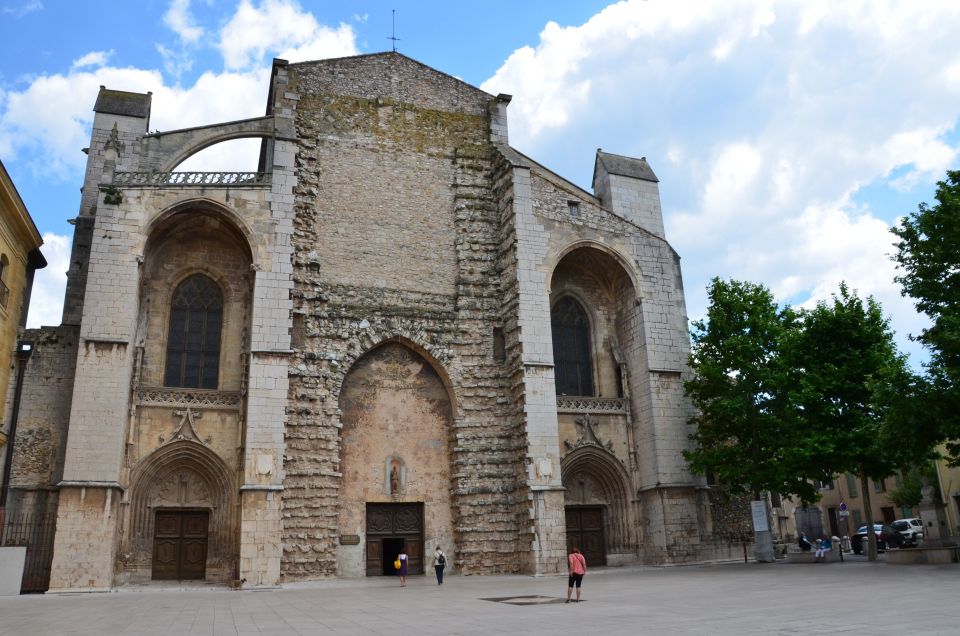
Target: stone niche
(394, 447)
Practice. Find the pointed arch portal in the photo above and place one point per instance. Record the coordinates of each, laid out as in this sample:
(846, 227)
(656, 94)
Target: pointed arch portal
(597, 502)
(183, 513)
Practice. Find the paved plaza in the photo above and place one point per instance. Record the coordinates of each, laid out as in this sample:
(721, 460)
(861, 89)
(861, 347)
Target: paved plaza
(855, 597)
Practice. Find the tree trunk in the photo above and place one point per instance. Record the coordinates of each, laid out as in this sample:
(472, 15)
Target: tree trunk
(868, 513)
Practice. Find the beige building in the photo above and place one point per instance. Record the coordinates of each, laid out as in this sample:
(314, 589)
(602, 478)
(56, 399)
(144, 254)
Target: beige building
(398, 333)
(826, 517)
(949, 484)
(20, 257)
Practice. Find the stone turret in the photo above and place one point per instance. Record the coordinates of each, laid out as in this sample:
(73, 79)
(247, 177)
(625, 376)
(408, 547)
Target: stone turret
(629, 188)
(120, 120)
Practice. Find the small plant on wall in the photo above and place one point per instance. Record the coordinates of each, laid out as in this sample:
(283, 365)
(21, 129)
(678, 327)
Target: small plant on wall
(112, 195)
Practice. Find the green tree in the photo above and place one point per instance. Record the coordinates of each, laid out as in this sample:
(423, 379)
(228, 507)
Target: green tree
(747, 433)
(909, 492)
(928, 255)
(848, 376)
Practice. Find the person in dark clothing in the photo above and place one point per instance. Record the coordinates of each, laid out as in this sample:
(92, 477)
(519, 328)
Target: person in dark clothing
(439, 562)
(804, 542)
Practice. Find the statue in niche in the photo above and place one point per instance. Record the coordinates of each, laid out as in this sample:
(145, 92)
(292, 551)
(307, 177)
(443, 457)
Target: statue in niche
(394, 476)
(394, 479)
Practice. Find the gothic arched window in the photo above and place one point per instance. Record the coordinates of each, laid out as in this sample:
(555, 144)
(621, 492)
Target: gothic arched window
(193, 343)
(571, 348)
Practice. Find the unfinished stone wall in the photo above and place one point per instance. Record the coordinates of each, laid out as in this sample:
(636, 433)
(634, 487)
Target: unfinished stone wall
(396, 416)
(396, 236)
(42, 425)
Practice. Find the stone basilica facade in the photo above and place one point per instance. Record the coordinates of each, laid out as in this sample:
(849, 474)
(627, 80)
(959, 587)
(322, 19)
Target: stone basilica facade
(399, 333)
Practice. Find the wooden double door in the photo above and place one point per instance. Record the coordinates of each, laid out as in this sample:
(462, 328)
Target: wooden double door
(180, 545)
(585, 531)
(392, 528)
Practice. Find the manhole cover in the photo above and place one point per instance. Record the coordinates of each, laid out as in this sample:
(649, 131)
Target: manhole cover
(526, 600)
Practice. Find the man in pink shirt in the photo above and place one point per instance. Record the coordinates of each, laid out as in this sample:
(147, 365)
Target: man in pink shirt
(577, 567)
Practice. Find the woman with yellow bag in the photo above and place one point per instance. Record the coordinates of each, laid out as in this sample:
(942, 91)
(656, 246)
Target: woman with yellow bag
(401, 566)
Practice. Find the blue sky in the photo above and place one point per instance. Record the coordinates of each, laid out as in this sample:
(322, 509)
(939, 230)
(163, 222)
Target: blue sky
(788, 136)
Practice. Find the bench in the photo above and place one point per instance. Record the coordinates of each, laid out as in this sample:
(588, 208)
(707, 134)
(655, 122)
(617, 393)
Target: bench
(935, 555)
(796, 555)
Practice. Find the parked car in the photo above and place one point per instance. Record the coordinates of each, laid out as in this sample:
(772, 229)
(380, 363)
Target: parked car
(887, 537)
(911, 529)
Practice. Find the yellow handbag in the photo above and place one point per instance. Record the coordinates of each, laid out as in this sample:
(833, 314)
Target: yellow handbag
(396, 564)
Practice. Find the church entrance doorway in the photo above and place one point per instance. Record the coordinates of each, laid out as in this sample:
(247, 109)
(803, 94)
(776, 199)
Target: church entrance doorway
(392, 527)
(180, 545)
(585, 531)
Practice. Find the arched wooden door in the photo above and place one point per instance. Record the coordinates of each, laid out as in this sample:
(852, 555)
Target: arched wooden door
(180, 545)
(585, 531)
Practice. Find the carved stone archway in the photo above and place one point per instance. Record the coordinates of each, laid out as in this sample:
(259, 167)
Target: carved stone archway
(592, 475)
(184, 474)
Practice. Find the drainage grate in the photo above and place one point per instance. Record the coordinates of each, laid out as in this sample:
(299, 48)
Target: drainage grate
(526, 600)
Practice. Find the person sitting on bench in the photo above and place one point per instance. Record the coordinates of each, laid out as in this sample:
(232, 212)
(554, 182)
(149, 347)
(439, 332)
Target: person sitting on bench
(824, 546)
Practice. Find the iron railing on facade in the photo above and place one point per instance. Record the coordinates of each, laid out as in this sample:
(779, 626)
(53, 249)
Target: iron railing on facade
(35, 532)
(191, 179)
(4, 294)
(183, 398)
(586, 404)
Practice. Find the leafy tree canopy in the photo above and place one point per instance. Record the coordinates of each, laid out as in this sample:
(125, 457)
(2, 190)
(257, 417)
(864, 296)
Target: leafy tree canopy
(847, 381)
(928, 256)
(909, 492)
(747, 434)
(786, 397)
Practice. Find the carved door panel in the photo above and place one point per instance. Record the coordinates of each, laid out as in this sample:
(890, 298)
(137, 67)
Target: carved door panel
(166, 546)
(180, 545)
(394, 521)
(415, 554)
(193, 546)
(374, 557)
(585, 531)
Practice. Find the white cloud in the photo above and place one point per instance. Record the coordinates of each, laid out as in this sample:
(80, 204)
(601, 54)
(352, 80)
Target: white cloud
(178, 58)
(763, 121)
(180, 20)
(176, 61)
(45, 124)
(922, 148)
(22, 9)
(49, 283)
(48, 122)
(280, 26)
(94, 58)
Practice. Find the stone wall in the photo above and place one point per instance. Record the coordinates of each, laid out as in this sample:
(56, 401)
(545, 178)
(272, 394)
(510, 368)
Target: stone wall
(44, 412)
(396, 238)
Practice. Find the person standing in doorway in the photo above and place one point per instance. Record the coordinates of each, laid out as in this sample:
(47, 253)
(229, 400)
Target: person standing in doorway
(404, 560)
(577, 567)
(439, 562)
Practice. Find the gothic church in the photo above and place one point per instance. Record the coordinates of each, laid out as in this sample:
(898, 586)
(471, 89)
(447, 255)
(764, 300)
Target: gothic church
(398, 333)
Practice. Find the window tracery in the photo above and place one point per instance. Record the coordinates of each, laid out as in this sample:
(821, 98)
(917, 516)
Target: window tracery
(572, 357)
(193, 340)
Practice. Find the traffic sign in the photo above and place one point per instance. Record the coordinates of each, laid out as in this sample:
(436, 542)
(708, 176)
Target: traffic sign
(843, 506)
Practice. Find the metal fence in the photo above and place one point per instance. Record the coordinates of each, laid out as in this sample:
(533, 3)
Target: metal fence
(35, 532)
